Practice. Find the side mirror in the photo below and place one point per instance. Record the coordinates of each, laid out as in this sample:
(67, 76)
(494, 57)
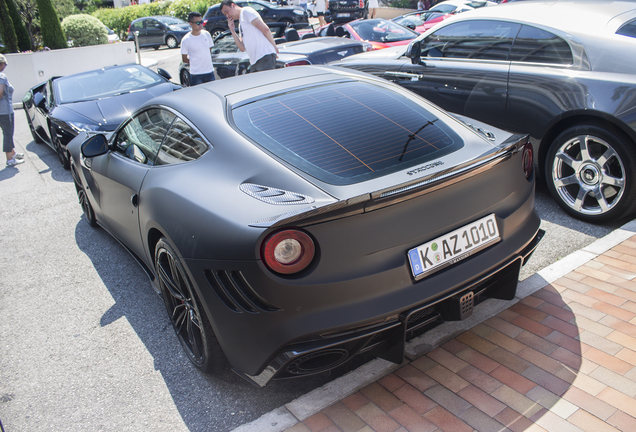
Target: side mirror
(133, 152)
(96, 145)
(414, 52)
(164, 73)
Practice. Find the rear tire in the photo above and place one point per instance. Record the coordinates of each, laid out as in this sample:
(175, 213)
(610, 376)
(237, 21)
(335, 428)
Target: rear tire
(184, 78)
(185, 311)
(590, 172)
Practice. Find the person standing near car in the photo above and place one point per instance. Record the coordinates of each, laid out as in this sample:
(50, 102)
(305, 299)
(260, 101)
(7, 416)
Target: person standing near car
(256, 38)
(321, 11)
(373, 8)
(6, 117)
(195, 51)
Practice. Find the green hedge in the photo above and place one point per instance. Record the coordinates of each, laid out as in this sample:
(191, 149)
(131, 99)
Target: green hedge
(119, 19)
(84, 30)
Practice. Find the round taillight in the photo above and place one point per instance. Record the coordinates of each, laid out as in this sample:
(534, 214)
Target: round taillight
(527, 159)
(288, 251)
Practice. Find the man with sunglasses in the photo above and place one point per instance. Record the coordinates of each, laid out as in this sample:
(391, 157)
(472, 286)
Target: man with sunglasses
(195, 51)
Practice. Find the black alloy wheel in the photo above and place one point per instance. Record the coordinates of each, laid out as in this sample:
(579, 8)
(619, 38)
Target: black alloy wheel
(590, 172)
(216, 32)
(61, 154)
(184, 78)
(83, 199)
(186, 314)
(171, 41)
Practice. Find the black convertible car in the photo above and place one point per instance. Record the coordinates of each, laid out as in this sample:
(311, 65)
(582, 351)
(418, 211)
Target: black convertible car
(229, 61)
(99, 100)
(290, 250)
(557, 70)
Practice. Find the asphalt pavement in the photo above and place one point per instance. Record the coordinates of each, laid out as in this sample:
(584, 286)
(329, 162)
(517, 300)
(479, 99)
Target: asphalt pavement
(85, 342)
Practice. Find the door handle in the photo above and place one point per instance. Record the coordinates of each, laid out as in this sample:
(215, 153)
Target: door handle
(135, 200)
(407, 75)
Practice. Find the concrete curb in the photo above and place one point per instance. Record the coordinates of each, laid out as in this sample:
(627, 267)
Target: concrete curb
(318, 399)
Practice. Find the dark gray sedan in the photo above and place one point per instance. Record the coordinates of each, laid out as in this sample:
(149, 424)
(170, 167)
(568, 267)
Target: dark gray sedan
(560, 71)
(287, 236)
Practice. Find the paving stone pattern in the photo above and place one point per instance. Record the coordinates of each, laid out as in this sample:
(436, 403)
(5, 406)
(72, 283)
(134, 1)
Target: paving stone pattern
(562, 359)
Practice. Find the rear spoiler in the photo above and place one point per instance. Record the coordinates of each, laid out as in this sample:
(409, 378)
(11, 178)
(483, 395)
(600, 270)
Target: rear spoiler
(368, 202)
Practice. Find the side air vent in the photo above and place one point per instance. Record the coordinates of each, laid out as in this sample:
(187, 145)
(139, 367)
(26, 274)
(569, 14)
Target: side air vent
(273, 195)
(236, 293)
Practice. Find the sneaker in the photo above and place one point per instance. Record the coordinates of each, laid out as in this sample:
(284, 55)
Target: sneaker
(18, 156)
(14, 162)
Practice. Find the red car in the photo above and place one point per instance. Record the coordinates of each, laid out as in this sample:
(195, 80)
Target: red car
(421, 21)
(380, 33)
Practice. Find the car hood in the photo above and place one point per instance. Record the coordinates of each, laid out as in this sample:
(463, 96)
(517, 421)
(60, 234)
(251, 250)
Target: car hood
(309, 46)
(110, 112)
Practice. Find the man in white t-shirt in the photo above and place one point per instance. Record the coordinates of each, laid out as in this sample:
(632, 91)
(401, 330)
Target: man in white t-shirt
(195, 51)
(256, 38)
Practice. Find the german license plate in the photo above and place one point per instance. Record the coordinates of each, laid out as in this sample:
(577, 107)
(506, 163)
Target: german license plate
(453, 247)
(343, 15)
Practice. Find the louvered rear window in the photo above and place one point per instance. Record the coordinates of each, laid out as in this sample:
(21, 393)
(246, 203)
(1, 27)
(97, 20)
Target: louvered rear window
(347, 132)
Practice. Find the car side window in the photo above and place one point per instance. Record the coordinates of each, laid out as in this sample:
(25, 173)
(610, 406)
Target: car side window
(152, 23)
(136, 26)
(141, 138)
(628, 29)
(256, 6)
(478, 39)
(540, 46)
(182, 144)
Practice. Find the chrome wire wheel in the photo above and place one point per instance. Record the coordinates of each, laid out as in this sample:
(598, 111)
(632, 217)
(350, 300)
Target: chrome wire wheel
(191, 326)
(590, 173)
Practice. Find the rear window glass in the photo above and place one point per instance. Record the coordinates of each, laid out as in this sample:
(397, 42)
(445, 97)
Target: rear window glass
(348, 132)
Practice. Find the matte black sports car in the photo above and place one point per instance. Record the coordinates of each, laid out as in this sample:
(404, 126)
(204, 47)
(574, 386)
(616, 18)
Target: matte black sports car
(229, 61)
(557, 70)
(289, 250)
(99, 100)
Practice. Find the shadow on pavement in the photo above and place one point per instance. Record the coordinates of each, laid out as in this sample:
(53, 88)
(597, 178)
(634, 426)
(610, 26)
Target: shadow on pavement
(205, 403)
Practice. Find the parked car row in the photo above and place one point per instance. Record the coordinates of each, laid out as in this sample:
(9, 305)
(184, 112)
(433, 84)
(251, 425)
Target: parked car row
(286, 257)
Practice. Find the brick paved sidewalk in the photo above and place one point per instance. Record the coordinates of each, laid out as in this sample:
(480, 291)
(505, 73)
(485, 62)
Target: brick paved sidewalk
(562, 359)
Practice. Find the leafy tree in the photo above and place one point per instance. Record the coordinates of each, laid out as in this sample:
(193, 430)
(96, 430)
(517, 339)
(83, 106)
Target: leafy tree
(52, 34)
(84, 30)
(24, 40)
(7, 29)
(64, 8)
(28, 11)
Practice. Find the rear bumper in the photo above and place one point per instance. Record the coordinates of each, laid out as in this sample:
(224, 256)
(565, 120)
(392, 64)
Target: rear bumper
(387, 339)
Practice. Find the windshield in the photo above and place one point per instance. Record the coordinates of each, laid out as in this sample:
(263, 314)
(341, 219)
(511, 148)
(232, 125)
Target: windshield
(171, 21)
(382, 31)
(348, 132)
(105, 83)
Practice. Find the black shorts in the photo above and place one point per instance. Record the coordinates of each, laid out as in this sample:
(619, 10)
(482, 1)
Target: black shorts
(320, 14)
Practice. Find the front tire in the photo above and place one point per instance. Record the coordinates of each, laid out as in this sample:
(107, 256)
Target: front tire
(83, 200)
(590, 172)
(171, 41)
(186, 314)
